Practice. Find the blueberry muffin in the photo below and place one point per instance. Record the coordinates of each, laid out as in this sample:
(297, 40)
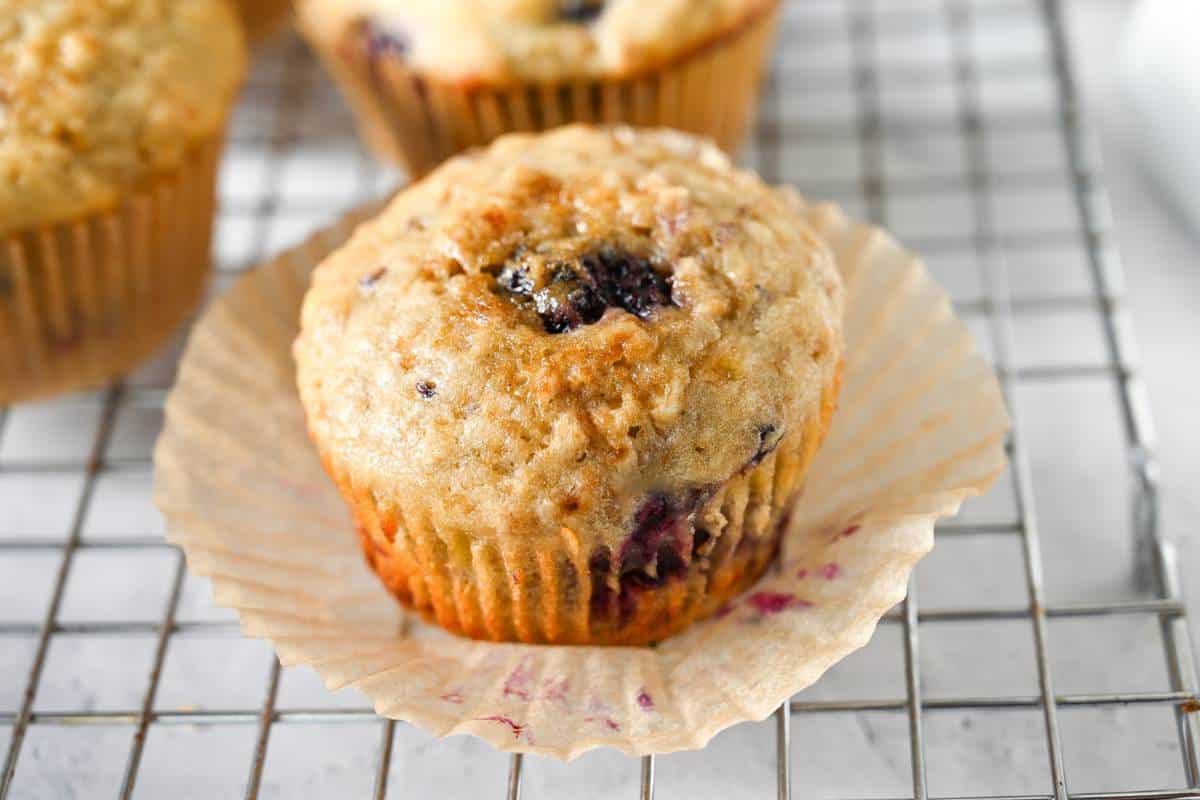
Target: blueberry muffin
(111, 121)
(570, 384)
(429, 78)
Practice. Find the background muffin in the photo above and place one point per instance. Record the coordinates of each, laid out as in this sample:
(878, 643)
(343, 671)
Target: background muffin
(263, 18)
(570, 385)
(429, 78)
(111, 121)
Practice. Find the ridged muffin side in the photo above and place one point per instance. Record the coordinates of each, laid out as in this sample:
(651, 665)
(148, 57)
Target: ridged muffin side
(570, 385)
(556, 593)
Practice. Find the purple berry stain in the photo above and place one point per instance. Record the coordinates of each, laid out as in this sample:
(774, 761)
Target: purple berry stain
(556, 690)
(518, 682)
(427, 389)
(607, 722)
(516, 728)
(768, 603)
(830, 571)
(644, 700)
(579, 291)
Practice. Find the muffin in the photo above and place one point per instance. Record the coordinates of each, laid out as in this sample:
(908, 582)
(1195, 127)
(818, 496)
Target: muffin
(111, 121)
(429, 78)
(262, 19)
(570, 384)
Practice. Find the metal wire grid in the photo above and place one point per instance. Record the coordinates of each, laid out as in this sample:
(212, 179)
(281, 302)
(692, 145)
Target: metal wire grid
(280, 112)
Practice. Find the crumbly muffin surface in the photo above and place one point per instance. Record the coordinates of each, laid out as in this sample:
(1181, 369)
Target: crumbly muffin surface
(98, 95)
(496, 41)
(540, 336)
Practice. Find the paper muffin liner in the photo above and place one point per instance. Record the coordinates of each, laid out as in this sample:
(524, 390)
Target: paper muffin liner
(85, 300)
(921, 426)
(565, 592)
(262, 19)
(418, 121)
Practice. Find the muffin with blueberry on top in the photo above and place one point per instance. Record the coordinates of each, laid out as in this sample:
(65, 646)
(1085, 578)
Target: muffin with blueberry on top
(429, 78)
(570, 385)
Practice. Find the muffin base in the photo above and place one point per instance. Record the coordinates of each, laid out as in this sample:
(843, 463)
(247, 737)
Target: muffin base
(85, 300)
(554, 592)
(419, 121)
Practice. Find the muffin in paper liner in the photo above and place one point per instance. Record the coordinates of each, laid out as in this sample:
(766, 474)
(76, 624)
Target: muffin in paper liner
(417, 120)
(921, 426)
(84, 300)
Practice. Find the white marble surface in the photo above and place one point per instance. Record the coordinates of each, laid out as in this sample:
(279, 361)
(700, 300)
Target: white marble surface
(1080, 488)
(1162, 265)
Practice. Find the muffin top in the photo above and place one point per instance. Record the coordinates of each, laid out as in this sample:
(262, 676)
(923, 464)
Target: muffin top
(540, 335)
(500, 41)
(98, 95)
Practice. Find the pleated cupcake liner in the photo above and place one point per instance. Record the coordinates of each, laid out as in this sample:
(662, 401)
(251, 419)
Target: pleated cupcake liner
(920, 426)
(85, 300)
(418, 121)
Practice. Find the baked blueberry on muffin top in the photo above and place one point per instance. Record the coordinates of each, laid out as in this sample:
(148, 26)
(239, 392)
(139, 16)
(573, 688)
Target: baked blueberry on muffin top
(570, 384)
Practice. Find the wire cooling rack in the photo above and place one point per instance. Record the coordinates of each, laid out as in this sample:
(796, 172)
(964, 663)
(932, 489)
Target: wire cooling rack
(1050, 655)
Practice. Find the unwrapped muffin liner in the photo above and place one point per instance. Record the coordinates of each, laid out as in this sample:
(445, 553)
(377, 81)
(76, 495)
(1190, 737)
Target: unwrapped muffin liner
(921, 426)
(85, 300)
(418, 121)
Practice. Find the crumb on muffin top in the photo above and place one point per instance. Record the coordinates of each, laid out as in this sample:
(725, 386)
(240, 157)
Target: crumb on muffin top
(98, 95)
(545, 332)
(502, 41)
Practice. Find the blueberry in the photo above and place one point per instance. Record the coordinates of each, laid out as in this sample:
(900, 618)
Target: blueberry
(659, 549)
(579, 292)
(427, 389)
(670, 563)
(515, 279)
(580, 11)
(653, 522)
(371, 278)
(599, 565)
(767, 442)
(627, 281)
(383, 41)
(566, 302)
